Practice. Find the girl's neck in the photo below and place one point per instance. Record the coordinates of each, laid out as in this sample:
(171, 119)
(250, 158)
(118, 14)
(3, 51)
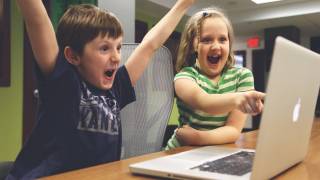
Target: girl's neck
(214, 79)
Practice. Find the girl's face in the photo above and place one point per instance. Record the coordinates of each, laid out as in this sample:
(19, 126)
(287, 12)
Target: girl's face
(100, 61)
(213, 48)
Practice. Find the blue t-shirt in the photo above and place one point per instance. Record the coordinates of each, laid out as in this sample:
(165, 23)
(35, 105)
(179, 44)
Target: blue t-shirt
(77, 125)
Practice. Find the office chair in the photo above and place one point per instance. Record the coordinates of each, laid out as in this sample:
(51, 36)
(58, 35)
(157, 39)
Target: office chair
(5, 167)
(144, 121)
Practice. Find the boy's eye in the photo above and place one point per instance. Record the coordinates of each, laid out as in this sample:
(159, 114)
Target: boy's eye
(104, 48)
(119, 48)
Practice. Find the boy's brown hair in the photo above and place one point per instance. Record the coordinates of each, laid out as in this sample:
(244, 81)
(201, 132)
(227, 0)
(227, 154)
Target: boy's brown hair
(82, 23)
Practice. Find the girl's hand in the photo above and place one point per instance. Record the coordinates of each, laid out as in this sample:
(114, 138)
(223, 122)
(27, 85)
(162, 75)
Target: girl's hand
(187, 135)
(250, 102)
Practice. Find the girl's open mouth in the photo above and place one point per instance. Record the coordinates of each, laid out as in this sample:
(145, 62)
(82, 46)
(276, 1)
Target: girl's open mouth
(213, 59)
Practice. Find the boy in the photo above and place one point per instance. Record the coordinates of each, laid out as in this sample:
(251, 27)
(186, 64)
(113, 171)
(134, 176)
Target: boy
(81, 86)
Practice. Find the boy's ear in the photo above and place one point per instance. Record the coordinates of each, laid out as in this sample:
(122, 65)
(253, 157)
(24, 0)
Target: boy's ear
(71, 56)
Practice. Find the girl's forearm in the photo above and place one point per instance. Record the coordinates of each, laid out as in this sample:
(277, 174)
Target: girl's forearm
(216, 103)
(222, 135)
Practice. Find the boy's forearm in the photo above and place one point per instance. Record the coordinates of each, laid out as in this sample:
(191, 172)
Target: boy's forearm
(41, 33)
(32, 11)
(141, 56)
(159, 33)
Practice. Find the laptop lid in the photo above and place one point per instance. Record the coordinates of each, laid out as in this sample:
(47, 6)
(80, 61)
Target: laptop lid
(289, 107)
(285, 125)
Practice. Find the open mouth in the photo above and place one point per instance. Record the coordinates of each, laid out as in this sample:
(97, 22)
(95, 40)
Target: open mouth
(214, 59)
(109, 73)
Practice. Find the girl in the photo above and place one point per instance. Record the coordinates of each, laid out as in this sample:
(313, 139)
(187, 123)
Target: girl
(213, 97)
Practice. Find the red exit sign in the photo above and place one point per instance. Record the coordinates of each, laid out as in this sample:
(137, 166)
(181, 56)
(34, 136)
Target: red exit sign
(253, 42)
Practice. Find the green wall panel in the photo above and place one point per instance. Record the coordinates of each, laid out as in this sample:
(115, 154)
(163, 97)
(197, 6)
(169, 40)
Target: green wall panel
(11, 97)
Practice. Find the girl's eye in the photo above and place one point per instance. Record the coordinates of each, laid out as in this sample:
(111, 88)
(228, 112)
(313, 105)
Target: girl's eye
(206, 40)
(223, 39)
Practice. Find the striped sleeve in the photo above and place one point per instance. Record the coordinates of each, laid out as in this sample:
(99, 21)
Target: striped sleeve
(186, 73)
(246, 81)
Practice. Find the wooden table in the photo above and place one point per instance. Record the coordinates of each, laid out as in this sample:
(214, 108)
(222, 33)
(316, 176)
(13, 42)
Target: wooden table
(308, 169)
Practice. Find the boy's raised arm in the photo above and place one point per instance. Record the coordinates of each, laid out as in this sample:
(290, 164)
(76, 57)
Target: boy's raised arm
(139, 59)
(41, 33)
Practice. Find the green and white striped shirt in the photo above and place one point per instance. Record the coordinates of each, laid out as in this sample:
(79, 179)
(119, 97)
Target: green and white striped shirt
(232, 80)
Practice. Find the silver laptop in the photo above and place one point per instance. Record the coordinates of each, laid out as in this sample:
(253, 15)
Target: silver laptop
(284, 133)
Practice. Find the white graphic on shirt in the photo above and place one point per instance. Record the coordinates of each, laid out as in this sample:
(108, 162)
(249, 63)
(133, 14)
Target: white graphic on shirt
(98, 114)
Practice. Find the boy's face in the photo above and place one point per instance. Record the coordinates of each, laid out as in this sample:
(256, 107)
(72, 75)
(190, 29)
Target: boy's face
(100, 61)
(213, 48)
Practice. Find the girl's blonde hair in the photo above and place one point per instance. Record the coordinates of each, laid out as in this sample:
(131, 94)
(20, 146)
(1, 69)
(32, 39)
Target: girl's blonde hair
(186, 54)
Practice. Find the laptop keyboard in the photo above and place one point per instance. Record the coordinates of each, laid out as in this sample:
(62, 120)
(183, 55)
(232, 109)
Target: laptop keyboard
(236, 164)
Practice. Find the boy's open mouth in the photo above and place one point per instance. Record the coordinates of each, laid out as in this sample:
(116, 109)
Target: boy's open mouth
(109, 73)
(214, 59)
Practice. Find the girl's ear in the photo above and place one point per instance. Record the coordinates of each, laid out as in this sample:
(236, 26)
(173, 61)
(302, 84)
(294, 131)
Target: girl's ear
(71, 56)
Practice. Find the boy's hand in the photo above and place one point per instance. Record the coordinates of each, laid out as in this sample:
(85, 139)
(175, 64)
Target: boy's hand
(189, 1)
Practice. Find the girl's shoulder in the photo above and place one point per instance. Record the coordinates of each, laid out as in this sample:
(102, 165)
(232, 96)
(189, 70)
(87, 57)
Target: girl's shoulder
(238, 71)
(191, 71)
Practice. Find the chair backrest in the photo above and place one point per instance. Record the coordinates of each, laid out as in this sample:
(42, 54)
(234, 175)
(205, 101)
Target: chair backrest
(5, 167)
(144, 121)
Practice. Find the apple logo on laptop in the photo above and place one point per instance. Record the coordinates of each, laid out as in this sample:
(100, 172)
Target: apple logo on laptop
(296, 110)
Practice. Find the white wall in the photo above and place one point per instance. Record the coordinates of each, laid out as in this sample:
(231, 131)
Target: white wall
(125, 11)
